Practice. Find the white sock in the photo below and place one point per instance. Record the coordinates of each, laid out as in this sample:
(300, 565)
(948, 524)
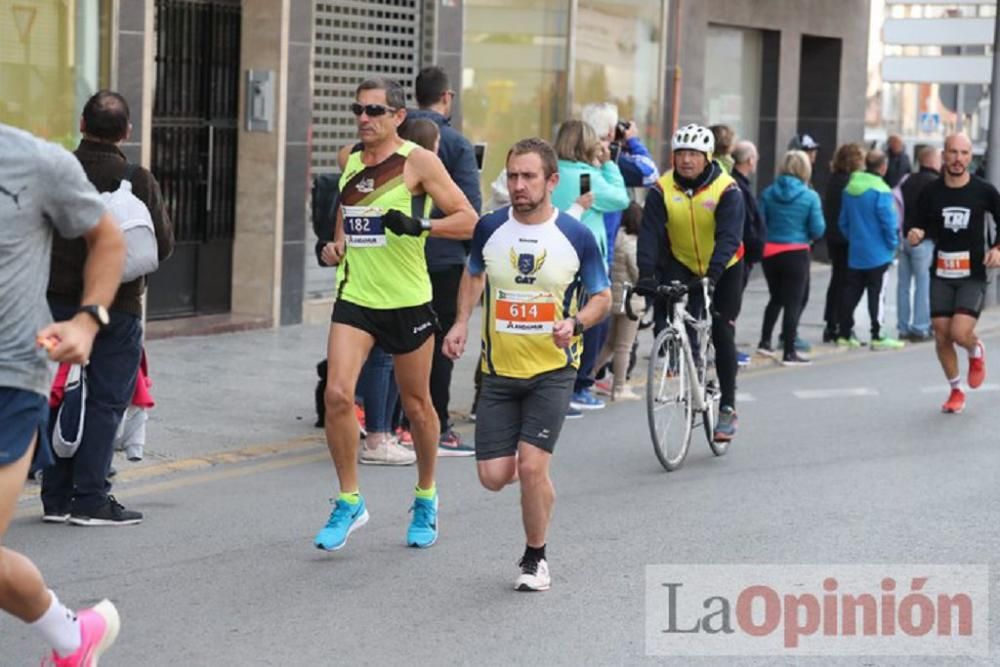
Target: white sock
(59, 627)
(976, 352)
(955, 382)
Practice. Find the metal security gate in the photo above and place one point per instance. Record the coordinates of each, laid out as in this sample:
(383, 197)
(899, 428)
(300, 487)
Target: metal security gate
(194, 151)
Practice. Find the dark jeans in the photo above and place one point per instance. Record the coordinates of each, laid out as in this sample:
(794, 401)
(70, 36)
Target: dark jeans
(838, 283)
(727, 300)
(858, 282)
(787, 276)
(378, 391)
(80, 483)
(593, 341)
(444, 283)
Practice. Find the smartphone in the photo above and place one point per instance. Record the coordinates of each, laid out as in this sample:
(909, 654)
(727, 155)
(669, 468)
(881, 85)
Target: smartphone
(584, 183)
(480, 150)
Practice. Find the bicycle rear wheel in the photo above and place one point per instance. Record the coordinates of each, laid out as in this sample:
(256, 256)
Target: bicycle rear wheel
(668, 400)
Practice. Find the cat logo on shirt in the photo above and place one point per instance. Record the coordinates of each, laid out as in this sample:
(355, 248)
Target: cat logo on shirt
(527, 265)
(956, 218)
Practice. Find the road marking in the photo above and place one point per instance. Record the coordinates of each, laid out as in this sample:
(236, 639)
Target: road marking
(208, 461)
(940, 389)
(743, 397)
(228, 473)
(810, 394)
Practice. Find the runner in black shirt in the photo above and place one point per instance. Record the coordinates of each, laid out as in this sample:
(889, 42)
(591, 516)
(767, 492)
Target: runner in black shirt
(953, 215)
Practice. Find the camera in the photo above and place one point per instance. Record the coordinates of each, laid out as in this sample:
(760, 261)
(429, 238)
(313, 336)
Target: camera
(621, 128)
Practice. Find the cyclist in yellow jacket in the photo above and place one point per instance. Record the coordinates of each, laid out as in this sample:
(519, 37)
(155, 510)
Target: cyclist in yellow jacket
(692, 227)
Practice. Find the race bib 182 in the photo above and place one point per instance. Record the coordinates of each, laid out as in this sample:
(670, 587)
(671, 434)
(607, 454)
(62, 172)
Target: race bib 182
(363, 226)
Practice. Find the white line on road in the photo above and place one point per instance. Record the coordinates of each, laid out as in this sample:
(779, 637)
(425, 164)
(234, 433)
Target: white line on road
(743, 397)
(808, 394)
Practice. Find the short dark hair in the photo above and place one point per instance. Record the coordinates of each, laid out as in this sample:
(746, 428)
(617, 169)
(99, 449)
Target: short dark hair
(724, 136)
(541, 148)
(632, 219)
(432, 83)
(395, 96)
(106, 116)
(874, 160)
(421, 131)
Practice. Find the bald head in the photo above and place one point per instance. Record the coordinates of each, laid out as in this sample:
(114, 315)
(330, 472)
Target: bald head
(957, 156)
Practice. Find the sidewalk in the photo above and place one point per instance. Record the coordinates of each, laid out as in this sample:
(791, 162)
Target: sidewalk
(241, 391)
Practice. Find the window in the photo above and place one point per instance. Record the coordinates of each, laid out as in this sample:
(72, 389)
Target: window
(733, 59)
(53, 56)
(514, 77)
(617, 60)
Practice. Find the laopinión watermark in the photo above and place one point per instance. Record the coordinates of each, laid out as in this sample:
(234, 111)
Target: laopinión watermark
(817, 610)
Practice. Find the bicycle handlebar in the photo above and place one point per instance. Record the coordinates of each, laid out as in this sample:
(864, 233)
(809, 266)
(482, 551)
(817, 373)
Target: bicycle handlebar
(672, 290)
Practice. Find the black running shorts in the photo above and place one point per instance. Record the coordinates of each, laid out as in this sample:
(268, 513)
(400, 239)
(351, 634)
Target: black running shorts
(963, 296)
(513, 410)
(397, 330)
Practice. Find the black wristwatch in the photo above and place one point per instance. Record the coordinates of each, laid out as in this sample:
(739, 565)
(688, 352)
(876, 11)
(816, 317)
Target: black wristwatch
(577, 326)
(99, 313)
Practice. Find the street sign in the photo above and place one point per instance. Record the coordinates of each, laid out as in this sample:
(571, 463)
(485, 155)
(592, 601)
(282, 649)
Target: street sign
(937, 69)
(930, 123)
(938, 32)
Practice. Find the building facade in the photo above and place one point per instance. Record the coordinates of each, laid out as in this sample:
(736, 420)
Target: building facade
(236, 103)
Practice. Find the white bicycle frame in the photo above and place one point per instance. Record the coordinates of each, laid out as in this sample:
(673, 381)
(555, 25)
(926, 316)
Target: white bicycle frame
(702, 327)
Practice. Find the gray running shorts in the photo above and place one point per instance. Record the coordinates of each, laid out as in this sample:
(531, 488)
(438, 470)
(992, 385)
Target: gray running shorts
(513, 410)
(964, 296)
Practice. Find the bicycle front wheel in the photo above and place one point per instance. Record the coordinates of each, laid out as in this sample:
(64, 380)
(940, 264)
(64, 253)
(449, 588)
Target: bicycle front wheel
(668, 400)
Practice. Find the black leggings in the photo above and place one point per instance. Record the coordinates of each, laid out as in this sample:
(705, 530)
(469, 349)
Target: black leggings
(727, 299)
(838, 283)
(787, 275)
(860, 281)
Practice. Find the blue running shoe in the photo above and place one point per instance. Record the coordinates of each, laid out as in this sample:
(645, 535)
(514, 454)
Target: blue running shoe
(584, 400)
(725, 428)
(423, 531)
(742, 359)
(344, 520)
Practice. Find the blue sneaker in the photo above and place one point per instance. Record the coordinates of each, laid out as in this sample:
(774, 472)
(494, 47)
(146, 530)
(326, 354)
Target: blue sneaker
(725, 427)
(344, 520)
(742, 359)
(423, 531)
(584, 400)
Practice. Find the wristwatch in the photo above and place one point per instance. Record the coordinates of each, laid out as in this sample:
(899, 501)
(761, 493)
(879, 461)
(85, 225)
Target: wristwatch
(99, 313)
(577, 326)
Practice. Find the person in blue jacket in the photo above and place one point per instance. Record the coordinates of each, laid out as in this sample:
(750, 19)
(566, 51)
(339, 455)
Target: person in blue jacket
(794, 216)
(581, 153)
(868, 222)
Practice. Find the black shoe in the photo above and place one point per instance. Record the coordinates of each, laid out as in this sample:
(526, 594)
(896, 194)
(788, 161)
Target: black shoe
(111, 513)
(58, 514)
(793, 359)
(829, 335)
(764, 347)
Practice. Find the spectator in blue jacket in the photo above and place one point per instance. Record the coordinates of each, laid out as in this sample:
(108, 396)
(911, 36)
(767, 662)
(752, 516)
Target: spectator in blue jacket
(633, 159)
(868, 222)
(446, 258)
(794, 216)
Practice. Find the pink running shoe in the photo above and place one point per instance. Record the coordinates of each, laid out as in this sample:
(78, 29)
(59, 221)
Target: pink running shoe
(99, 627)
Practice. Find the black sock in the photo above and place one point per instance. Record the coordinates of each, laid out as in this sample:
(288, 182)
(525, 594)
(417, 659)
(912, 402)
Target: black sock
(534, 553)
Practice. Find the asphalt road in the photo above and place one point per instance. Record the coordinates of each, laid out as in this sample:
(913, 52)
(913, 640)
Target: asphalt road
(846, 461)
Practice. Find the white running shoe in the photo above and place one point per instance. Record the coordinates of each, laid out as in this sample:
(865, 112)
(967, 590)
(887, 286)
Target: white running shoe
(387, 453)
(534, 576)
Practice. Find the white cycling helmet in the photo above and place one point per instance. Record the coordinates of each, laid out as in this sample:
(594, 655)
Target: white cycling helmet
(693, 138)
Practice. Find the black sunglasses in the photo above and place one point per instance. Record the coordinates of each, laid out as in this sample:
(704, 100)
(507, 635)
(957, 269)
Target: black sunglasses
(371, 110)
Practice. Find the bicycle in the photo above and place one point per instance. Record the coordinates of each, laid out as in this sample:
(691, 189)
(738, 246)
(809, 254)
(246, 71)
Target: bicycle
(679, 377)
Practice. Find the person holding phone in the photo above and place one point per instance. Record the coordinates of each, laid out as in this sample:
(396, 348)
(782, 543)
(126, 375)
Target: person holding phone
(585, 164)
